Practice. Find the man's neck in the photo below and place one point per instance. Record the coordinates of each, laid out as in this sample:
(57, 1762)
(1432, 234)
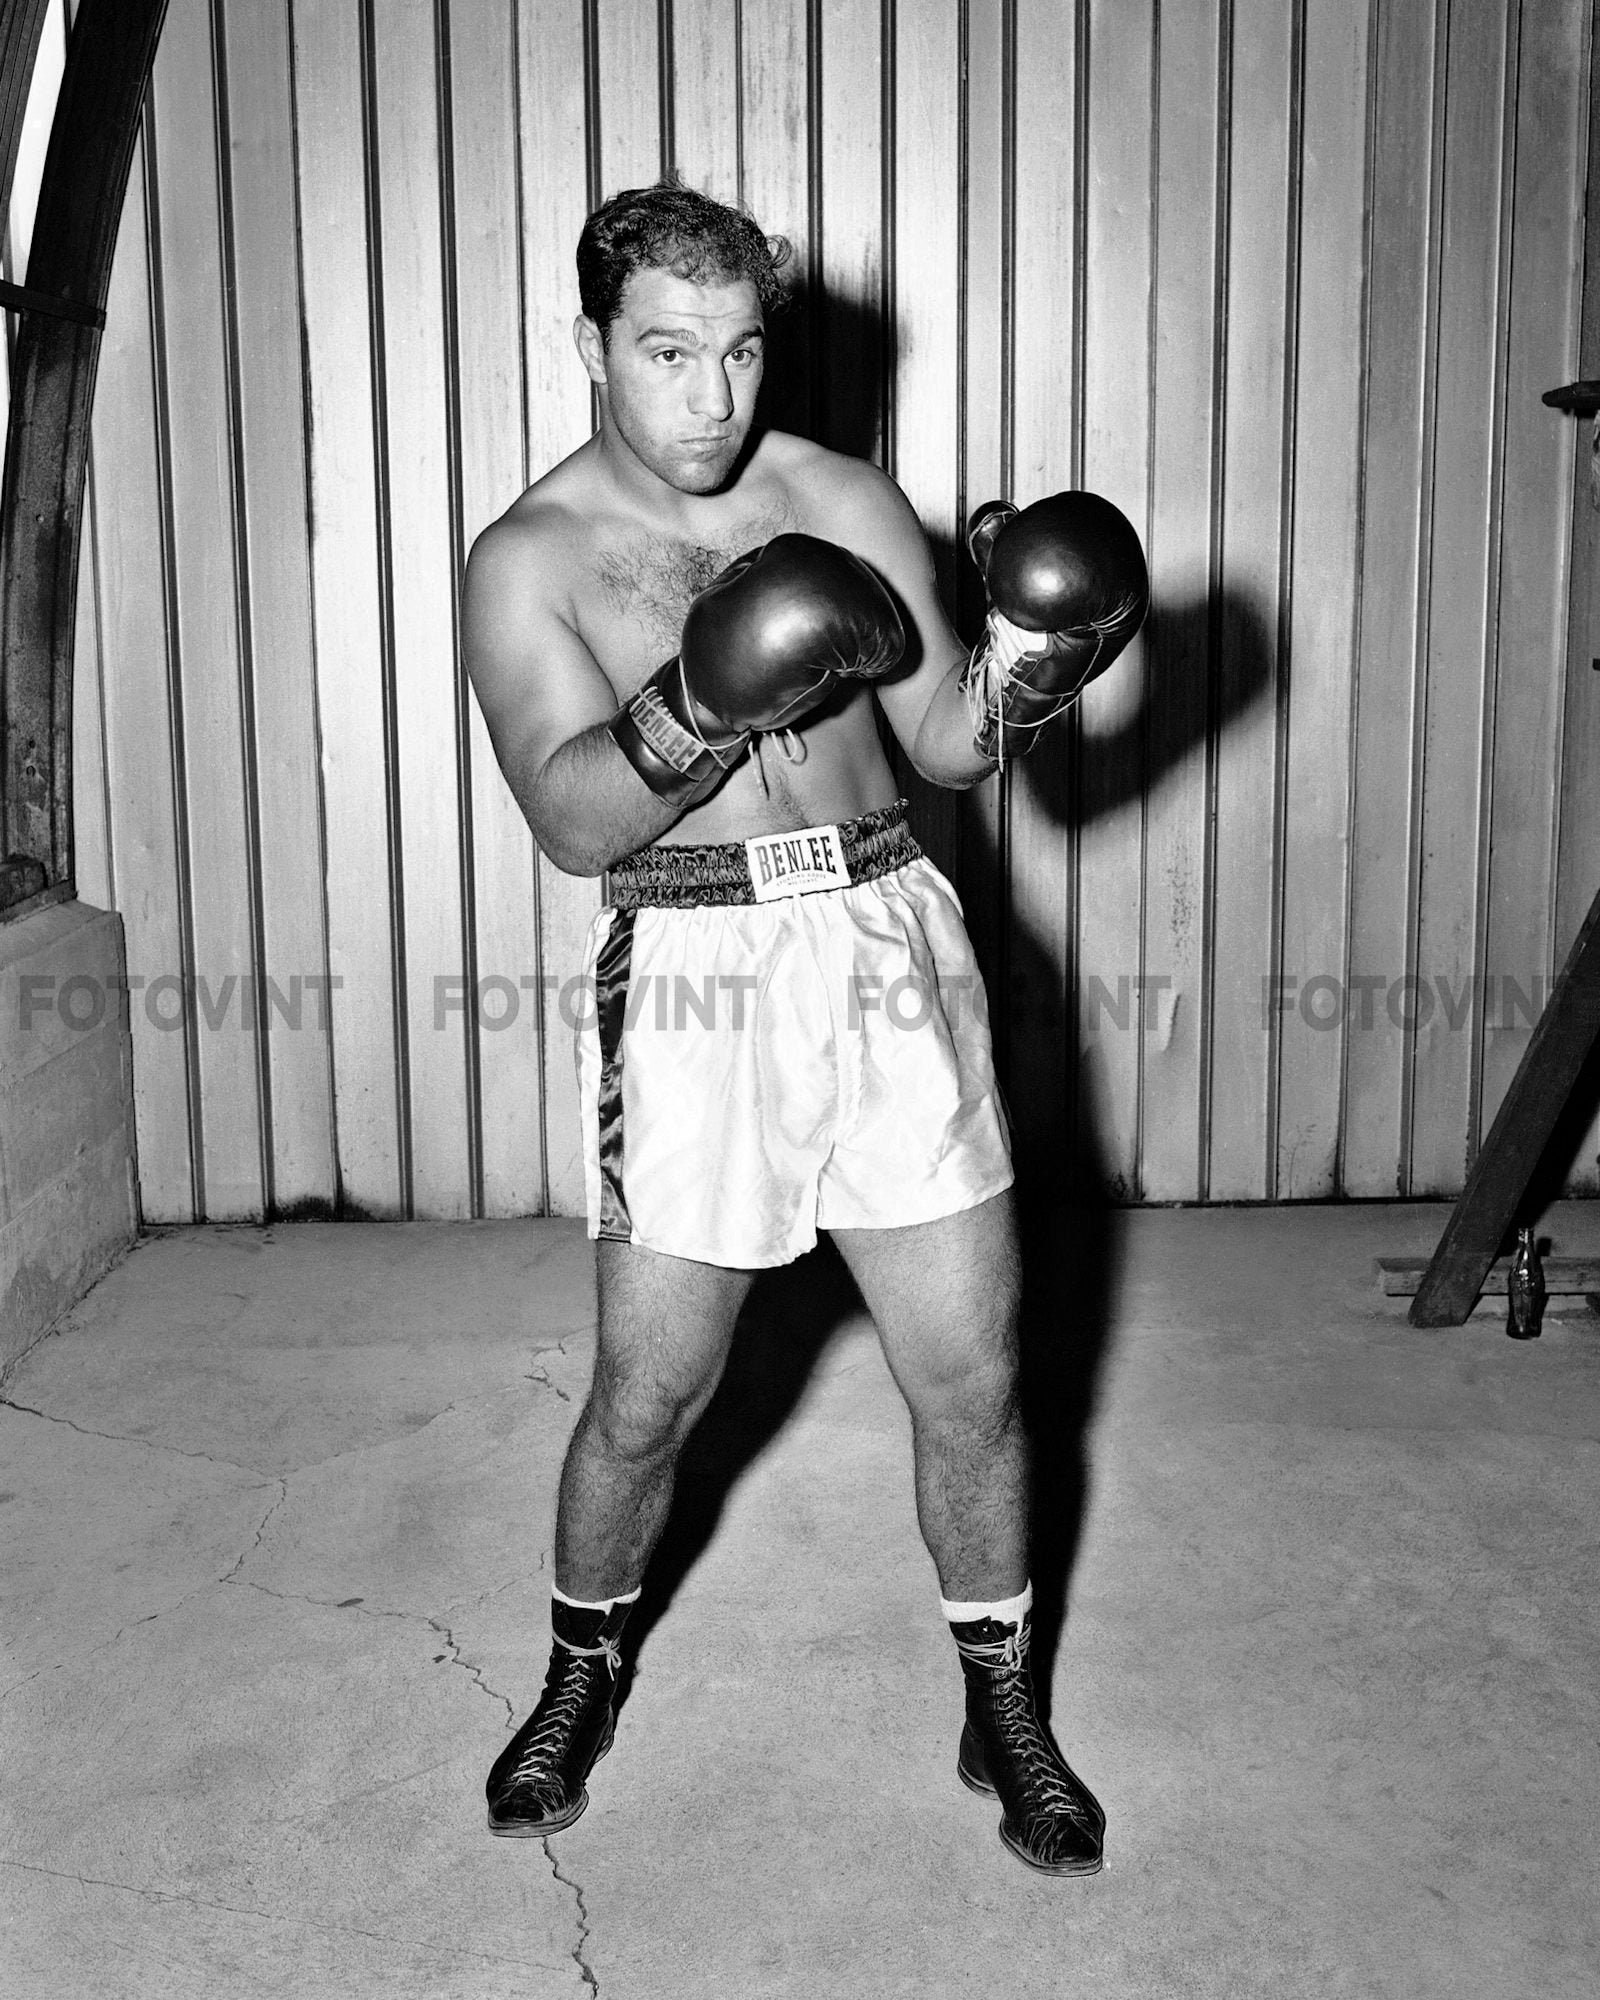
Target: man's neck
(691, 517)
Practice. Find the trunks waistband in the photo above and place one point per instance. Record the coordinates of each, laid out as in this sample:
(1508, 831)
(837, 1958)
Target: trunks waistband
(683, 878)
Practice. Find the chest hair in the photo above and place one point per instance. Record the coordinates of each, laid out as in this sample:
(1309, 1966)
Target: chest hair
(650, 580)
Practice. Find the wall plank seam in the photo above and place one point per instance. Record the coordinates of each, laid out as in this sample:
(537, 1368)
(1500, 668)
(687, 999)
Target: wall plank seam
(183, 885)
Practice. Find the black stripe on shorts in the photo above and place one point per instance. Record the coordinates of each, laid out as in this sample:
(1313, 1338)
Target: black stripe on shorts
(613, 970)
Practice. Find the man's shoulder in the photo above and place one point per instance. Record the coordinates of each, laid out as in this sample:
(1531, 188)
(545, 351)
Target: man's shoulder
(844, 499)
(536, 540)
(814, 469)
(532, 525)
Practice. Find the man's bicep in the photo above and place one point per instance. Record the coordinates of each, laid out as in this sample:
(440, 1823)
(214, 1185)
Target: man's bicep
(536, 681)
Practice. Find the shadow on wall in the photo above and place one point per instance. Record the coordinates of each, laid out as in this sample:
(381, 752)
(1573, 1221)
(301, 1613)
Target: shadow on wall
(829, 360)
(1206, 662)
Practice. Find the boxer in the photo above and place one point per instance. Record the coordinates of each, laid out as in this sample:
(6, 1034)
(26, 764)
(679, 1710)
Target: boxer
(679, 636)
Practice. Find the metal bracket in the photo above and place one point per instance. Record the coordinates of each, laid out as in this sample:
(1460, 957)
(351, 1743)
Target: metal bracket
(1578, 399)
(20, 299)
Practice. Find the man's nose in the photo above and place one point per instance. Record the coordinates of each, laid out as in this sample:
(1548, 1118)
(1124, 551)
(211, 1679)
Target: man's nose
(712, 395)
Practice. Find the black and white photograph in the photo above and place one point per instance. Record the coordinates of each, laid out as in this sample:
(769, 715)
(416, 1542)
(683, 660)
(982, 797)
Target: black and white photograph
(800, 1000)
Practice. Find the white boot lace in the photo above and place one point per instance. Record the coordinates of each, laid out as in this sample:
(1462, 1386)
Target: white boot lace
(1048, 1784)
(554, 1728)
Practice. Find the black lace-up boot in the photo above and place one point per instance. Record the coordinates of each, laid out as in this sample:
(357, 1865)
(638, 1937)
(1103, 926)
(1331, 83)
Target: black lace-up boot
(537, 1784)
(1051, 1820)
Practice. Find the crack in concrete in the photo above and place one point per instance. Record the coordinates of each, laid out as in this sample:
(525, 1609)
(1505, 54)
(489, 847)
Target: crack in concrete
(272, 1917)
(560, 1346)
(280, 1500)
(27, 1680)
(542, 1377)
(261, 1472)
(149, 1618)
(118, 1437)
(404, 1434)
(482, 1597)
(511, 1583)
(579, 1950)
(456, 1656)
(362, 1609)
(459, 1659)
(339, 1801)
(188, 1596)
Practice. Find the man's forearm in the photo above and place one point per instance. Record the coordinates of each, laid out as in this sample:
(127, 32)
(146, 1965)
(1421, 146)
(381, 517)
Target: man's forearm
(588, 806)
(944, 751)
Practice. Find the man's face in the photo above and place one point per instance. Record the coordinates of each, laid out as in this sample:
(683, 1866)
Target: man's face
(679, 374)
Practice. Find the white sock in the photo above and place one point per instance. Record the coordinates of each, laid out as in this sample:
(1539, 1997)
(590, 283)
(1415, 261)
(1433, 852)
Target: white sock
(605, 1604)
(1004, 1610)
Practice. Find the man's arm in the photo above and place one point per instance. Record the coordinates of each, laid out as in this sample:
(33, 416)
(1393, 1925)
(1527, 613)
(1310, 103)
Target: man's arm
(1068, 588)
(548, 707)
(927, 708)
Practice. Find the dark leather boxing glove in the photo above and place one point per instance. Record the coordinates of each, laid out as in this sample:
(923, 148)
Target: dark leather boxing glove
(762, 646)
(1067, 590)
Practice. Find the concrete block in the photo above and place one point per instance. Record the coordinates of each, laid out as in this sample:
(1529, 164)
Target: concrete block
(59, 1112)
(62, 976)
(68, 1183)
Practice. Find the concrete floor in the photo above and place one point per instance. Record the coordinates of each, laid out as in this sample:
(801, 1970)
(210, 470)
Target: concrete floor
(275, 1582)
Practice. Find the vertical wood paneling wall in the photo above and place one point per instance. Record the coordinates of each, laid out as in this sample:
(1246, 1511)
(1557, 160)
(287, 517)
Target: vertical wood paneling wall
(1284, 278)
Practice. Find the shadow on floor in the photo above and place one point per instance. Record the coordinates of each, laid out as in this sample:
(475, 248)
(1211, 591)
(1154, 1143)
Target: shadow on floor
(1072, 1256)
(1071, 1259)
(791, 1315)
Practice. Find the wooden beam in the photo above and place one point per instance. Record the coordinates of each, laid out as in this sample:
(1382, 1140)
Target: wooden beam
(1399, 1277)
(21, 24)
(1528, 1113)
(109, 55)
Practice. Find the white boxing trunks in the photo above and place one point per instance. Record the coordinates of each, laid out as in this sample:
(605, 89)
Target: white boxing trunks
(787, 1034)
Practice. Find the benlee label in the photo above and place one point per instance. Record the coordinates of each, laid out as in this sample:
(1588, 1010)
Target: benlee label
(796, 864)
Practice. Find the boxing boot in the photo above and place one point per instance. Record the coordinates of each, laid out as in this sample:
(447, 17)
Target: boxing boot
(537, 1783)
(1051, 1820)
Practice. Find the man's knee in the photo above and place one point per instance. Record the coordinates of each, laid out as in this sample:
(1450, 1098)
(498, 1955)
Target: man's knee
(640, 1423)
(972, 1386)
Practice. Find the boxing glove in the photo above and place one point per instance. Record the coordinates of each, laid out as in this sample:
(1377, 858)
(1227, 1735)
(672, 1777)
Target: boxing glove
(761, 647)
(1067, 589)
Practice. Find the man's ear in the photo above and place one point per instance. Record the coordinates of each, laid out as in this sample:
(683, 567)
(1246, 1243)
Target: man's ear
(591, 347)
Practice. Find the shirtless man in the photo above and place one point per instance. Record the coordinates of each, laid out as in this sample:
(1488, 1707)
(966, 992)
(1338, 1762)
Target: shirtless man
(675, 747)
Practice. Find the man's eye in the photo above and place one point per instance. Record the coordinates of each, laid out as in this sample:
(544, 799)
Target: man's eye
(745, 356)
(666, 354)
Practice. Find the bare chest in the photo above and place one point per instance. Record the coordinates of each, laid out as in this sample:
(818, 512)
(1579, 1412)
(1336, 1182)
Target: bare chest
(635, 588)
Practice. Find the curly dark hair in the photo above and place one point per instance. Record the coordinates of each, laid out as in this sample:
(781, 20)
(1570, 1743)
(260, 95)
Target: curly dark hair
(670, 227)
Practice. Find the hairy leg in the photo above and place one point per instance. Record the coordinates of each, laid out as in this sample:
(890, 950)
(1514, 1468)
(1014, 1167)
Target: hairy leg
(665, 1326)
(945, 1297)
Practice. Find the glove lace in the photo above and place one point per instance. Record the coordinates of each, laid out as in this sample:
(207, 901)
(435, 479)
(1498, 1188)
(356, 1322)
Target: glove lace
(715, 751)
(1000, 655)
(790, 742)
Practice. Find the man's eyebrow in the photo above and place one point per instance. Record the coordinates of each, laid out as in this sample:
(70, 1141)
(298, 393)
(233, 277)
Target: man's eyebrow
(687, 337)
